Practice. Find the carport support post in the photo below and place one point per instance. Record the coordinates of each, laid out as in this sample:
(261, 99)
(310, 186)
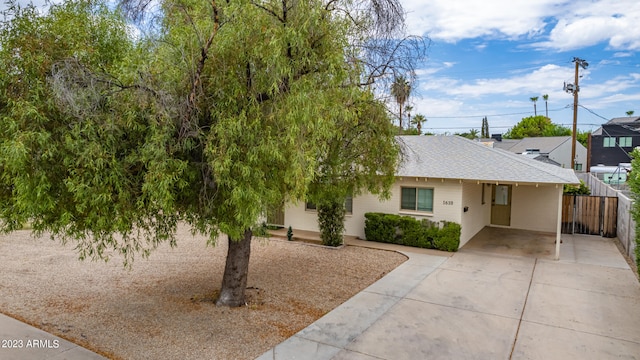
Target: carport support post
(559, 226)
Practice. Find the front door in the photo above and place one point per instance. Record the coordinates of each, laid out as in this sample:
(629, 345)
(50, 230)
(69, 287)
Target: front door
(501, 205)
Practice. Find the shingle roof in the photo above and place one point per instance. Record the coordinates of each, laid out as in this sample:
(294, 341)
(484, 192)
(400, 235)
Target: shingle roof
(624, 120)
(454, 157)
(544, 144)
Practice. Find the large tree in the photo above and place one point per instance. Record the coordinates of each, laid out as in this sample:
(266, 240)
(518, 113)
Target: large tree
(209, 114)
(536, 126)
(363, 156)
(400, 90)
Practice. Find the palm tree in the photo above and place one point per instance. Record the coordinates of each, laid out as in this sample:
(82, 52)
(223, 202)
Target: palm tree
(546, 107)
(534, 99)
(630, 113)
(407, 110)
(400, 90)
(417, 121)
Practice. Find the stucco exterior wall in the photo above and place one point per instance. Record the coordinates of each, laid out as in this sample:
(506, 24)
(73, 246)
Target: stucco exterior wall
(532, 208)
(535, 208)
(447, 205)
(478, 214)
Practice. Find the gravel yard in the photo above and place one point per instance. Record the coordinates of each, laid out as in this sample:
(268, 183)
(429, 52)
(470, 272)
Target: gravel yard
(163, 309)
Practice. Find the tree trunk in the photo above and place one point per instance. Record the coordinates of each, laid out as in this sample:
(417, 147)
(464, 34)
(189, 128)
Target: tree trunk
(234, 281)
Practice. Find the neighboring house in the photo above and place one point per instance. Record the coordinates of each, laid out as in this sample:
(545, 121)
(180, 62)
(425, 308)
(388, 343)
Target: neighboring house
(455, 179)
(555, 150)
(612, 143)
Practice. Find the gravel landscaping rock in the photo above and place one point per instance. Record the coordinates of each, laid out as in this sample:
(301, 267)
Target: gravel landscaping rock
(163, 307)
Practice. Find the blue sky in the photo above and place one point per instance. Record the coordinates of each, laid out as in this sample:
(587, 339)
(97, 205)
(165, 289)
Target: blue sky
(488, 58)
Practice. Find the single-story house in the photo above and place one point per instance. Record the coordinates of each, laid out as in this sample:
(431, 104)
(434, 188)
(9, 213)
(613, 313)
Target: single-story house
(455, 179)
(555, 150)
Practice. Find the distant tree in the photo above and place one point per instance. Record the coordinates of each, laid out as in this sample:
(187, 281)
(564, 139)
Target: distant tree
(484, 133)
(534, 100)
(535, 126)
(409, 131)
(400, 90)
(630, 113)
(407, 110)
(583, 137)
(546, 107)
(418, 120)
(472, 134)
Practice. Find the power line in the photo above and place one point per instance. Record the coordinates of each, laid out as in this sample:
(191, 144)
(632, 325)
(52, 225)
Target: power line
(494, 115)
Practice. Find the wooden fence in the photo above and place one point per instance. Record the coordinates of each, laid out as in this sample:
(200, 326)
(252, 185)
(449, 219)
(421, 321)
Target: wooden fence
(593, 215)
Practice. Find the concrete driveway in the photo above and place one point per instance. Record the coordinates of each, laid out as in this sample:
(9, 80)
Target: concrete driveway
(488, 301)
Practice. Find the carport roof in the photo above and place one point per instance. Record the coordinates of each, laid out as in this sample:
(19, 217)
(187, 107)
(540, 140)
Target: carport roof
(454, 157)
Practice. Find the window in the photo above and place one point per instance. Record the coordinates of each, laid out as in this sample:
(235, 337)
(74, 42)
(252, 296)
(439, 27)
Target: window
(625, 141)
(609, 142)
(578, 167)
(348, 205)
(416, 199)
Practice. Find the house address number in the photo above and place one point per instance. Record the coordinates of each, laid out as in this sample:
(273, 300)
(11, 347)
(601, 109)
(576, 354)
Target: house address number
(447, 202)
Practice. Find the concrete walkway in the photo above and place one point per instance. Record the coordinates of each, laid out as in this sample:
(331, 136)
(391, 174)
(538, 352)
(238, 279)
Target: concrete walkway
(479, 304)
(20, 341)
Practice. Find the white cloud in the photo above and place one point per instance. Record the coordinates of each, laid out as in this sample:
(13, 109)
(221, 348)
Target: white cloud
(572, 24)
(451, 21)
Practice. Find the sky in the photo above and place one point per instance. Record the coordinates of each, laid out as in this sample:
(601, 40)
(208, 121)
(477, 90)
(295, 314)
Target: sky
(489, 58)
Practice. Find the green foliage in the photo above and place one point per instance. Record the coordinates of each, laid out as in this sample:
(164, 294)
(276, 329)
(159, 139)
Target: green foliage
(331, 222)
(409, 131)
(633, 179)
(290, 234)
(110, 141)
(448, 238)
(472, 134)
(406, 230)
(583, 137)
(484, 132)
(581, 189)
(536, 126)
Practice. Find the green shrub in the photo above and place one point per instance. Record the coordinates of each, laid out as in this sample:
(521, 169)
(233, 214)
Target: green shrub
(581, 189)
(380, 227)
(290, 234)
(448, 238)
(405, 230)
(331, 222)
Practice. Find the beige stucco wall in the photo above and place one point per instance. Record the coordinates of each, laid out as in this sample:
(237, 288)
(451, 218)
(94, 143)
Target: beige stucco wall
(447, 205)
(479, 213)
(531, 208)
(535, 208)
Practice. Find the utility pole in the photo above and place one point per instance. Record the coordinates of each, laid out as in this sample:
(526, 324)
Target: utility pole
(574, 89)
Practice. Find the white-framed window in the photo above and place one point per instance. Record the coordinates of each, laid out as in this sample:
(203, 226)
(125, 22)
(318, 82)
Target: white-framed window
(624, 141)
(416, 199)
(578, 167)
(348, 205)
(609, 142)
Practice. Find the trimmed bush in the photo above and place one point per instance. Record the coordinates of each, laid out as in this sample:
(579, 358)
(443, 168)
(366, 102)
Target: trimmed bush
(331, 222)
(405, 230)
(448, 238)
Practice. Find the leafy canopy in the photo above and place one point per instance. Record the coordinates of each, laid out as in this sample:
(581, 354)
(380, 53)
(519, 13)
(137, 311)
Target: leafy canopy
(536, 126)
(112, 139)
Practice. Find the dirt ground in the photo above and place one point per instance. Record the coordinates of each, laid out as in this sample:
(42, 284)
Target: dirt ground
(163, 307)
